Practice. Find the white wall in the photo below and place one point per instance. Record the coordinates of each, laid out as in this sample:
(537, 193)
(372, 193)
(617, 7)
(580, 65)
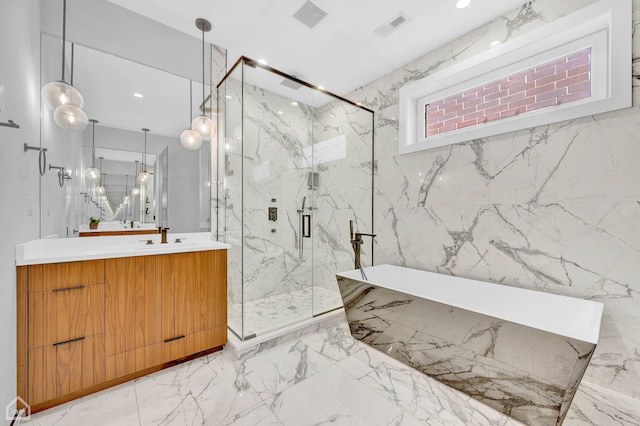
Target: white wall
(19, 101)
(109, 28)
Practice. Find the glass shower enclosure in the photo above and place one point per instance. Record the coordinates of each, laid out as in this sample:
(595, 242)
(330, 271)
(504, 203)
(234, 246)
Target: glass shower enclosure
(295, 166)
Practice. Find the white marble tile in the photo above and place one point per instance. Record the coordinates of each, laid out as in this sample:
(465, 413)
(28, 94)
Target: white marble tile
(260, 415)
(112, 407)
(367, 387)
(595, 405)
(415, 393)
(275, 370)
(335, 342)
(333, 397)
(202, 391)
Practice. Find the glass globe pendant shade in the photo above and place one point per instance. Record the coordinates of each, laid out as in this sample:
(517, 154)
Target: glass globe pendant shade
(202, 125)
(190, 139)
(59, 93)
(100, 190)
(70, 117)
(92, 174)
(143, 177)
(135, 192)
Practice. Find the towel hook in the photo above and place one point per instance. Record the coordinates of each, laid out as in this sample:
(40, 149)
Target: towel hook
(42, 160)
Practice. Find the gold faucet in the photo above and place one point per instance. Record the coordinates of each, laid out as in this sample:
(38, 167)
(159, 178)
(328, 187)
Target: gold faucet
(163, 231)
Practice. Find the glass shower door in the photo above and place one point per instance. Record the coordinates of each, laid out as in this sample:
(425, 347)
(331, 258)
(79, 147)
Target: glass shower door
(294, 176)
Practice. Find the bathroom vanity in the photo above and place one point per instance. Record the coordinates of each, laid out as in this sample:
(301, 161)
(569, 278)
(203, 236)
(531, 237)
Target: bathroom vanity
(95, 312)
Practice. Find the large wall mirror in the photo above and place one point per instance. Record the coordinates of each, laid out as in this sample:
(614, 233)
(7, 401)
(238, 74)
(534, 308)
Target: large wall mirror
(125, 97)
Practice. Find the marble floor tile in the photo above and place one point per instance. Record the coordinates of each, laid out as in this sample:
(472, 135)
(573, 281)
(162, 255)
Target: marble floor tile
(275, 370)
(338, 399)
(325, 377)
(334, 342)
(424, 398)
(594, 405)
(115, 406)
(260, 415)
(203, 391)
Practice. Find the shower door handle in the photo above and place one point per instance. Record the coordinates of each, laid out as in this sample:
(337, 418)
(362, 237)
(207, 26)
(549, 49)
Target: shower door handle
(306, 226)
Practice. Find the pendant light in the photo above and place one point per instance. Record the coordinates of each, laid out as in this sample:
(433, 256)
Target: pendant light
(202, 124)
(143, 176)
(63, 98)
(92, 173)
(135, 191)
(190, 139)
(100, 190)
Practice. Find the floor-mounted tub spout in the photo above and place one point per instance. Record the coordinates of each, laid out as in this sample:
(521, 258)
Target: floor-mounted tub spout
(356, 243)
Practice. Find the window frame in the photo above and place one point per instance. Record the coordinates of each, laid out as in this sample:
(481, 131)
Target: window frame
(605, 27)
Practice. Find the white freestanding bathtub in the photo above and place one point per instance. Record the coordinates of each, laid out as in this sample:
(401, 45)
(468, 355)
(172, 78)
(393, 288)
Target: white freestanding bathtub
(523, 352)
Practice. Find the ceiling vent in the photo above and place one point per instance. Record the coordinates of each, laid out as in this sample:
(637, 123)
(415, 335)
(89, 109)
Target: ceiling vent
(291, 84)
(386, 29)
(310, 14)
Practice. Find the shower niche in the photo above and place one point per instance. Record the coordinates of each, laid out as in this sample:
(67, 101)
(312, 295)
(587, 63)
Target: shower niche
(280, 138)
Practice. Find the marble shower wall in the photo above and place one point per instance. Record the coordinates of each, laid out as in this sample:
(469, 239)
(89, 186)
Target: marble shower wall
(264, 161)
(554, 208)
(343, 159)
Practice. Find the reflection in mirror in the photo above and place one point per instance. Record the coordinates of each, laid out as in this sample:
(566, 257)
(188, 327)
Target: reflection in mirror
(124, 96)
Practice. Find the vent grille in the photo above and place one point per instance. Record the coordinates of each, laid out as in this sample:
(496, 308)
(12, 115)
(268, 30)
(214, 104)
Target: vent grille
(291, 84)
(384, 30)
(310, 14)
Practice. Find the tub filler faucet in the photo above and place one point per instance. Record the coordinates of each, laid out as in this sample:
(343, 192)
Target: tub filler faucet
(356, 243)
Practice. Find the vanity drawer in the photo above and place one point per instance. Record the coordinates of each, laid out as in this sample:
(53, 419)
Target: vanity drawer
(182, 346)
(56, 371)
(55, 276)
(129, 362)
(65, 314)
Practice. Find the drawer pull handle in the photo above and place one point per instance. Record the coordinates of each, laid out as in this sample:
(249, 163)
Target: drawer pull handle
(58, 290)
(68, 341)
(175, 338)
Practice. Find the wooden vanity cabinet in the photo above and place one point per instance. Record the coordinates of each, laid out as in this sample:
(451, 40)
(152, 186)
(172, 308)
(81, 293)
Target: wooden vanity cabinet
(64, 342)
(85, 326)
(163, 308)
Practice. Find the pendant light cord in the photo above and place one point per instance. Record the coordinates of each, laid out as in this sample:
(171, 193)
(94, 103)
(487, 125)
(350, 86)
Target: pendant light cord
(202, 71)
(72, 55)
(64, 33)
(190, 101)
(93, 146)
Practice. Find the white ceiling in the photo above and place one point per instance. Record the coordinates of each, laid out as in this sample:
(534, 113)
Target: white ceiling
(342, 52)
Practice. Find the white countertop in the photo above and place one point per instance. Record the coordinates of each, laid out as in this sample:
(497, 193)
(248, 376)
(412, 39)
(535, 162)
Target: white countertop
(55, 250)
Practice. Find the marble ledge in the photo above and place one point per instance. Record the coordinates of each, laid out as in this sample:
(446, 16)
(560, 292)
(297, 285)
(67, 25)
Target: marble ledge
(56, 250)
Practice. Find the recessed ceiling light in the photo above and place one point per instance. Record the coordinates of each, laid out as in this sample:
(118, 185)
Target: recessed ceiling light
(495, 43)
(280, 112)
(461, 4)
(262, 61)
(138, 95)
(229, 97)
(294, 103)
(320, 87)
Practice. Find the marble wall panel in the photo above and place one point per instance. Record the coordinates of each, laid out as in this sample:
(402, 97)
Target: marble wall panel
(553, 208)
